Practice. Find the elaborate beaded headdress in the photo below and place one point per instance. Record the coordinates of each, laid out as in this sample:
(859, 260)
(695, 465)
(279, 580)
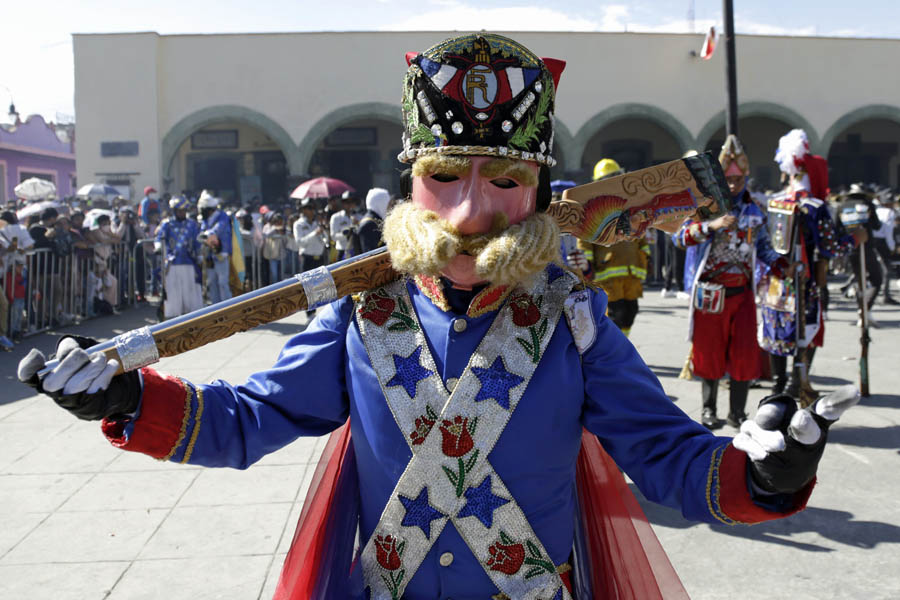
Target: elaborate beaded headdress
(733, 159)
(479, 94)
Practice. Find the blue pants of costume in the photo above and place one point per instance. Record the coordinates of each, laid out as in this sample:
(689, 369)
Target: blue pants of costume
(217, 281)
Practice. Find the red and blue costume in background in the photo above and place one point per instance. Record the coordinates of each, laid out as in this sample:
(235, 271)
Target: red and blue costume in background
(726, 341)
(819, 240)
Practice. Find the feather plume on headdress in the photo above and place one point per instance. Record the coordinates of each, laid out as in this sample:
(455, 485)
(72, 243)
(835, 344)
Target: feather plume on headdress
(792, 149)
(808, 171)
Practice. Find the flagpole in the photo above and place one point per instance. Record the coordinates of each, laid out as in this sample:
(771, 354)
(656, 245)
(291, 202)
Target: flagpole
(731, 111)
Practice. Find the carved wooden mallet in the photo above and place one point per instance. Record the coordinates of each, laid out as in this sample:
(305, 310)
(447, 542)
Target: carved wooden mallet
(603, 212)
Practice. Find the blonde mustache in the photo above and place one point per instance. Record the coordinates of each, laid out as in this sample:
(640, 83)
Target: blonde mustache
(422, 243)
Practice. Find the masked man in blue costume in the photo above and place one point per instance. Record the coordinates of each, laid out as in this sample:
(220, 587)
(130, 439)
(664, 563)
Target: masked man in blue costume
(469, 382)
(177, 240)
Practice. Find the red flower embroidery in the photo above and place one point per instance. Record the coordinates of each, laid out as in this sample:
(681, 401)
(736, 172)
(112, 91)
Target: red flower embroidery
(456, 440)
(387, 553)
(525, 312)
(423, 427)
(378, 307)
(506, 558)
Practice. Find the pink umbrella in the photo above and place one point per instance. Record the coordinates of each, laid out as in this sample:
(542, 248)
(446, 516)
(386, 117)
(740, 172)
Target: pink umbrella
(321, 187)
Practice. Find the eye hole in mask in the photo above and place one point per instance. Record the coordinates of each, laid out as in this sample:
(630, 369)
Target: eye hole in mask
(444, 177)
(504, 183)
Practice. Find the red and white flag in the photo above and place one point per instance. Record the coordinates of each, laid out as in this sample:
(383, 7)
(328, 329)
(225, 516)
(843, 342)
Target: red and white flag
(709, 44)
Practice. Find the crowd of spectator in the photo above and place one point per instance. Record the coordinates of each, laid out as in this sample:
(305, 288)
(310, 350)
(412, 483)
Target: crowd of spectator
(82, 258)
(79, 258)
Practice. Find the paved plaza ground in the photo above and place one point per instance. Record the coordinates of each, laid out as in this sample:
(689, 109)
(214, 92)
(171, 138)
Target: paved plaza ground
(82, 520)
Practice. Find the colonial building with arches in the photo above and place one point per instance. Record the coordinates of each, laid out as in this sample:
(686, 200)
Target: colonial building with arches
(250, 115)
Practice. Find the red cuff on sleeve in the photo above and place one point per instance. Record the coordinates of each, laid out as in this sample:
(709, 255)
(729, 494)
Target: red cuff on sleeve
(730, 497)
(161, 426)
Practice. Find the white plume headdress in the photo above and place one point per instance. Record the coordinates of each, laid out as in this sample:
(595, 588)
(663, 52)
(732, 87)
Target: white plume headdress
(792, 149)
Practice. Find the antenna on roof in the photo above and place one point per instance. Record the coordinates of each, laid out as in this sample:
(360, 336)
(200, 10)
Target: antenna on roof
(691, 14)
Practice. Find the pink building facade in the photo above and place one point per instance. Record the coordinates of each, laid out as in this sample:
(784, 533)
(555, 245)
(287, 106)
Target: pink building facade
(33, 149)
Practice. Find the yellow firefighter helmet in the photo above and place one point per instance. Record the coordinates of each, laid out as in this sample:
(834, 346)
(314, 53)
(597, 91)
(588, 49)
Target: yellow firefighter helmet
(607, 167)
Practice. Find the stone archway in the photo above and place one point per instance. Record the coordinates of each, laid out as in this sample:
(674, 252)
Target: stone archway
(864, 145)
(865, 113)
(340, 117)
(619, 112)
(563, 150)
(770, 110)
(182, 130)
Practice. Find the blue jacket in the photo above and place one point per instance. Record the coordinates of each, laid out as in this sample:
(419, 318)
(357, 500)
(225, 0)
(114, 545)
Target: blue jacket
(323, 376)
(179, 239)
(219, 223)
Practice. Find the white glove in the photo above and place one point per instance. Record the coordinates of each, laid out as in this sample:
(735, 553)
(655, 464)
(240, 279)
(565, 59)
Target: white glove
(76, 372)
(786, 444)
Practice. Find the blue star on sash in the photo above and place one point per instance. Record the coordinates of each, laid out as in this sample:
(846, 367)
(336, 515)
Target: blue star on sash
(481, 503)
(496, 382)
(409, 372)
(419, 513)
(554, 273)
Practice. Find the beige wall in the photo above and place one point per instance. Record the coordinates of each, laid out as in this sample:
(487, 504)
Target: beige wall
(116, 100)
(140, 86)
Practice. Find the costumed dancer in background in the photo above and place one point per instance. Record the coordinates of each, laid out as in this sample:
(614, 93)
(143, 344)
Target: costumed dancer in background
(217, 230)
(860, 203)
(883, 239)
(468, 472)
(619, 269)
(176, 240)
(369, 233)
(568, 243)
(722, 323)
(802, 229)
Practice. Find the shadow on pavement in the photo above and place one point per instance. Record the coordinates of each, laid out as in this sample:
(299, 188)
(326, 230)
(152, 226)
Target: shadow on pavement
(660, 311)
(835, 525)
(866, 437)
(825, 380)
(882, 401)
(665, 371)
(281, 328)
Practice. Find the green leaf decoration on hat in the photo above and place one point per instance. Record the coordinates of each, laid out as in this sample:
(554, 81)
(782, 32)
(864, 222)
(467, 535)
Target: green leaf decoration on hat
(531, 129)
(418, 133)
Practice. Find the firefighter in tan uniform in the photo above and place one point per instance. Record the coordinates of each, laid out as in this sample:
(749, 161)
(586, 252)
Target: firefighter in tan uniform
(619, 269)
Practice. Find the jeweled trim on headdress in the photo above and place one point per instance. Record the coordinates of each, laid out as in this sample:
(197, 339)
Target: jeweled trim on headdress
(479, 94)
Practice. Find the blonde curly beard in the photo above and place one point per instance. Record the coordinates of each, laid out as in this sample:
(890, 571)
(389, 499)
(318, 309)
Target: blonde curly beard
(422, 243)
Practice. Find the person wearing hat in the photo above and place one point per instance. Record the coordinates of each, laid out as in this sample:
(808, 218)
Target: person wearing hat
(619, 269)
(883, 240)
(369, 233)
(722, 324)
(860, 202)
(148, 203)
(467, 383)
(177, 240)
(216, 226)
(310, 236)
(342, 225)
(819, 240)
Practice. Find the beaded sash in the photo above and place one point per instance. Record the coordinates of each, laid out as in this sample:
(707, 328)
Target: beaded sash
(449, 477)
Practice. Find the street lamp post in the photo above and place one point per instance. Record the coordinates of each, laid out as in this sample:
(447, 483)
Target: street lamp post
(731, 111)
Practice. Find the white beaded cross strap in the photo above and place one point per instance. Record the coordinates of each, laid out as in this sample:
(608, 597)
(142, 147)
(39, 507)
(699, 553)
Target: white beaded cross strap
(449, 477)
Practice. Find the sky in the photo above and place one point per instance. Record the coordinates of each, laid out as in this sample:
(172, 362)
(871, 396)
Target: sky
(36, 62)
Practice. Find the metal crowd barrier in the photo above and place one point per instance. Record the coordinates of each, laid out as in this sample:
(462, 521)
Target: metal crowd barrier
(61, 290)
